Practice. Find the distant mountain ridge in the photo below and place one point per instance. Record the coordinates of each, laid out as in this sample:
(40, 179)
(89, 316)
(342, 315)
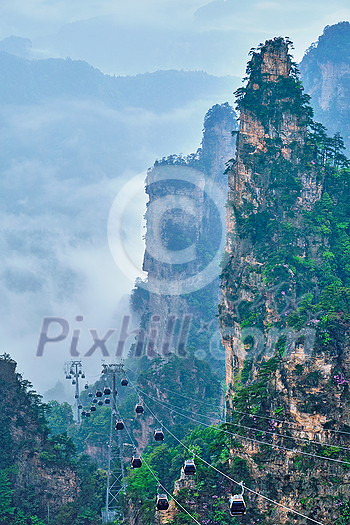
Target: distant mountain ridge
(25, 81)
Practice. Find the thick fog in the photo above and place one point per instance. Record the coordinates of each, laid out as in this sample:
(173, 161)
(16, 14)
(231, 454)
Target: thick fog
(64, 160)
(72, 139)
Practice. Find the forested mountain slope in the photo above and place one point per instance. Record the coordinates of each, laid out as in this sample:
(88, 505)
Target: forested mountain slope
(25, 81)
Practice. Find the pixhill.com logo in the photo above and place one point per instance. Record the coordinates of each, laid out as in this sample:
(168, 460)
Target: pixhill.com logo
(142, 342)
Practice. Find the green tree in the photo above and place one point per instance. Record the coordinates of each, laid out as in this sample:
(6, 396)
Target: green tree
(37, 521)
(6, 509)
(59, 417)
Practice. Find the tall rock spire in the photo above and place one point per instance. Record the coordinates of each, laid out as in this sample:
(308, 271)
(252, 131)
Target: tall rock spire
(283, 354)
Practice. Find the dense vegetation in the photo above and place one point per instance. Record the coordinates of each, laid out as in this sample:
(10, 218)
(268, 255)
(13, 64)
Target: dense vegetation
(286, 285)
(164, 386)
(25, 435)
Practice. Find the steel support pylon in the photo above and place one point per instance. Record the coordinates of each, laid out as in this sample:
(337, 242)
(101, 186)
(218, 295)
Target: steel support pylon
(116, 471)
(74, 369)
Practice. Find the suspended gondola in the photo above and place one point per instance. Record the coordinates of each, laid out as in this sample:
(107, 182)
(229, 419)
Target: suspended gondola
(86, 386)
(124, 382)
(99, 393)
(162, 502)
(237, 505)
(189, 467)
(107, 400)
(119, 425)
(92, 408)
(90, 394)
(158, 435)
(76, 396)
(100, 403)
(94, 400)
(87, 414)
(80, 407)
(139, 409)
(136, 462)
(107, 391)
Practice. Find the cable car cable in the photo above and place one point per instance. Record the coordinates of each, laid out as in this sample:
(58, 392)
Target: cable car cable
(263, 442)
(291, 423)
(183, 508)
(255, 415)
(255, 430)
(228, 477)
(234, 481)
(149, 468)
(181, 395)
(256, 440)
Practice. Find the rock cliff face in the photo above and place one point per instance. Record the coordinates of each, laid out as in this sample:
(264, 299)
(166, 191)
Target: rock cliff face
(284, 304)
(37, 472)
(183, 242)
(325, 71)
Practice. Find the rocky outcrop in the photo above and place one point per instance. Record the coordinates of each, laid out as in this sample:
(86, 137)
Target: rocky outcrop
(38, 471)
(185, 229)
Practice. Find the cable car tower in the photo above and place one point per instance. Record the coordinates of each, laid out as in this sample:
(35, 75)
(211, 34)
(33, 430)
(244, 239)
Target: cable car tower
(116, 473)
(73, 370)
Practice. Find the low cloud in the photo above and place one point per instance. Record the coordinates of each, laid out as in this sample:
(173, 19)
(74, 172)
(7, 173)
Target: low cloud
(63, 163)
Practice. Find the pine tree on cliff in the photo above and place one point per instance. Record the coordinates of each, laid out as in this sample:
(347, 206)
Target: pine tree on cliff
(285, 305)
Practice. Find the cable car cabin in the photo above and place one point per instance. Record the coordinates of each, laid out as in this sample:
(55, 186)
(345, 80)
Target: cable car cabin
(80, 407)
(237, 505)
(189, 467)
(98, 393)
(136, 462)
(67, 377)
(124, 382)
(100, 403)
(83, 413)
(76, 396)
(90, 394)
(94, 401)
(107, 391)
(107, 400)
(86, 387)
(73, 382)
(119, 425)
(139, 409)
(83, 376)
(162, 502)
(92, 408)
(159, 435)
(87, 414)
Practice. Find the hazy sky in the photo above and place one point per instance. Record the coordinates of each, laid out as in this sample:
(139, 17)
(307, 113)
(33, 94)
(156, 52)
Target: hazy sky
(239, 25)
